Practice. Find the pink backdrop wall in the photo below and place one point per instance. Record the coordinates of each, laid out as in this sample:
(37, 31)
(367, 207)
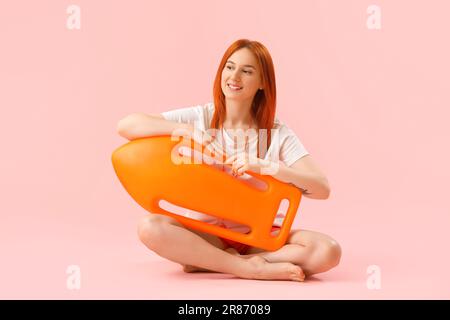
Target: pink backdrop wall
(371, 106)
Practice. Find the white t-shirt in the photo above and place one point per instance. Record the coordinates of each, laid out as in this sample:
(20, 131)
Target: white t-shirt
(289, 148)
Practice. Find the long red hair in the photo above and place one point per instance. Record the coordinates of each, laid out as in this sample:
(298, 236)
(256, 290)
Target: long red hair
(264, 102)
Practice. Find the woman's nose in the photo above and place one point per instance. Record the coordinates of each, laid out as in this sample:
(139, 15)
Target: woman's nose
(235, 76)
(235, 73)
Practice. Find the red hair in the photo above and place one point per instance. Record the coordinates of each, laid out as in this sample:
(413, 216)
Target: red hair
(264, 102)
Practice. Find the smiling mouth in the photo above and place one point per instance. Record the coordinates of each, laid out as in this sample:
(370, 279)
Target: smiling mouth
(234, 88)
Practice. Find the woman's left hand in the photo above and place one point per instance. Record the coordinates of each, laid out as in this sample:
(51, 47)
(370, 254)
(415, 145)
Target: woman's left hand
(243, 162)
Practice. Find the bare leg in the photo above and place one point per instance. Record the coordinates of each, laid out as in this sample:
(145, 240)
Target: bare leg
(191, 269)
(169, 239)
(314, 252)
(293, 253)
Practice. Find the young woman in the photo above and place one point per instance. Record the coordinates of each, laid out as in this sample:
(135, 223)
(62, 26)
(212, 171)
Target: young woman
(244, 98)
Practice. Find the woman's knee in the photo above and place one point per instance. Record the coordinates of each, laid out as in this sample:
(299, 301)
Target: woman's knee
(151, 228)
(330, 254)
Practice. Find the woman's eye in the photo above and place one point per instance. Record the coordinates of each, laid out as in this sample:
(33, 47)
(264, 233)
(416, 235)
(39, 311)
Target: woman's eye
(248, 72)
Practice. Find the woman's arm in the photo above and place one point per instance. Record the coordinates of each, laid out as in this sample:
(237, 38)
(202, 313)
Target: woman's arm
(303, 173)
(306, 175)
(140, 125)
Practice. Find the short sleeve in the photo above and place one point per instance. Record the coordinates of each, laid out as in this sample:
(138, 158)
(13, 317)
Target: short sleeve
(182, 115)
(197, 115)
(291, 148)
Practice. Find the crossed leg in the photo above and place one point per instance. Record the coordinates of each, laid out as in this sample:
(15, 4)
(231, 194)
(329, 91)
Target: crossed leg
(313, 251)
(169, 239)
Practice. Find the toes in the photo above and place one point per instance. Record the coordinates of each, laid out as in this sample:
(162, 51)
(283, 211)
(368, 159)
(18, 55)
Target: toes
(297, 278)
(298, 274)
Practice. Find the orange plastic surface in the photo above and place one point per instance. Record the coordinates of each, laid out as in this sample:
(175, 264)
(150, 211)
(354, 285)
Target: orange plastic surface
(146, 170)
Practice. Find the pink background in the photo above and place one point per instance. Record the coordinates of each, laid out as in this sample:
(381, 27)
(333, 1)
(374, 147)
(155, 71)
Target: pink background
(371, 106)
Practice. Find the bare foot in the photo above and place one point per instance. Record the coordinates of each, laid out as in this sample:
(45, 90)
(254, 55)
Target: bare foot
(263, 270)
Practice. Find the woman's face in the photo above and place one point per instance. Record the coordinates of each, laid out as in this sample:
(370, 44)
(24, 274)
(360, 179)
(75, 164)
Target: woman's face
(242, 70)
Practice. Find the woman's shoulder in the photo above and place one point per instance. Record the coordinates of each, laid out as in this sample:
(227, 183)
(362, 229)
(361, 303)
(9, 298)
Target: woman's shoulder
(203, 111)
(209, 108)
(282, 128)
(208, 112)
